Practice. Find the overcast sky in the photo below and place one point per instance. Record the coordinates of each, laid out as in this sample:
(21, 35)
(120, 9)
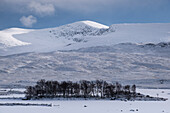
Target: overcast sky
(52, 13)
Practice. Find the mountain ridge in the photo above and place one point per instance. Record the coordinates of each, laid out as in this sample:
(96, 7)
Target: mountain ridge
(80, 34)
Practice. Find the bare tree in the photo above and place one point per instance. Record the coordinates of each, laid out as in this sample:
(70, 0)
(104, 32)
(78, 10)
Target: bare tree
(83, 88)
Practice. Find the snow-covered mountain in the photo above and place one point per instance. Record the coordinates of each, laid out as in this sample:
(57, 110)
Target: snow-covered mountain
(78, 35)
(129, 53)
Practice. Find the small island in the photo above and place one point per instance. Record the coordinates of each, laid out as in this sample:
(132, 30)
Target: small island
(84, 89)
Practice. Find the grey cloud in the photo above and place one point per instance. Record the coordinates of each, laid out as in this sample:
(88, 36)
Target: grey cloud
(28, 21)
(41, 8)
(47, 7)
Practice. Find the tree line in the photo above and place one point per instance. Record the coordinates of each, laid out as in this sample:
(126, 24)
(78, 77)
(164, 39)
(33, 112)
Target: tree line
(81, 89)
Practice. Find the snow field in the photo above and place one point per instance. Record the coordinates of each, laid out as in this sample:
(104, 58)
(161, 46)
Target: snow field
(87, 106)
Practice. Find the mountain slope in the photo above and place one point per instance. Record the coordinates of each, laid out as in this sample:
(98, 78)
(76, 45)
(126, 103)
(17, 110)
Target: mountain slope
(129, 53)
(81, 34)
(144, 69)
(7, 40)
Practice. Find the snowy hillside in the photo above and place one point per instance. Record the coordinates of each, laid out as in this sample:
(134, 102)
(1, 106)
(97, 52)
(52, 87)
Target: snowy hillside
(143, 65)
(80, 35)
(7, 39)
(130, 53)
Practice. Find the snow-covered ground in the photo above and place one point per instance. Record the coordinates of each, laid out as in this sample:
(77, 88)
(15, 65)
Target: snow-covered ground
(80, 35)
(97, 106)
(7, 39)
(141, 66)
(12, 93)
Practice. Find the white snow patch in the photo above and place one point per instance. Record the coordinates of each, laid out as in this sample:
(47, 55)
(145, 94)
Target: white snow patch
(96, 25)
(7, 39)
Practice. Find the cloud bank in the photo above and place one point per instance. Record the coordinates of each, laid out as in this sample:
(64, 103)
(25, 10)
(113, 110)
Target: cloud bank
(41, 8)
(49, 7)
